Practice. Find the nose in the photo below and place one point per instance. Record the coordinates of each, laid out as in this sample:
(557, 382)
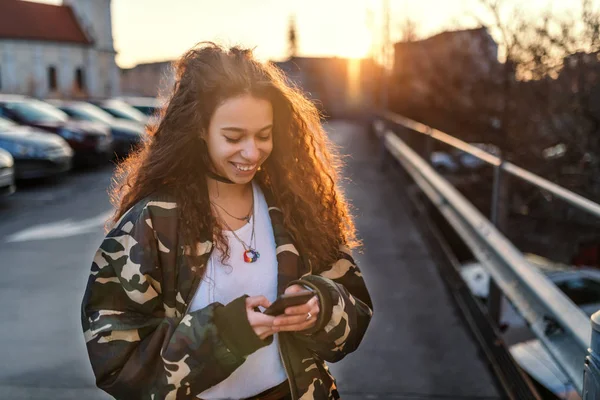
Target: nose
(250, 151)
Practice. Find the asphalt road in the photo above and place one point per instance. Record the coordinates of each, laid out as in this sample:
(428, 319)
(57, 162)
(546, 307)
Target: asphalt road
(416, 348)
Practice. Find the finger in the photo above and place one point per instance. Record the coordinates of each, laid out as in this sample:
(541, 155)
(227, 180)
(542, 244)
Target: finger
(266, 335)
(265, 332)
(295, 319)
(255, 301)
(316, 309)
(294, 289)
(289, 320)
(257, 318)
(298, 327)
(303, 308)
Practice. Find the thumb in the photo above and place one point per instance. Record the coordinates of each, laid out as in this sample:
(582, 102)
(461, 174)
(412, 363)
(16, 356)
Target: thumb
(255, 301)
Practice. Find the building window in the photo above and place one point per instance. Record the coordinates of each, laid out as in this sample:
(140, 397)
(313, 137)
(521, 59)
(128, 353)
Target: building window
(80, 78)
(52, 82)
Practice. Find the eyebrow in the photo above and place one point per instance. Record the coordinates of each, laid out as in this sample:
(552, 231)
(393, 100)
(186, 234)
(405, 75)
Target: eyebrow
(242, 130)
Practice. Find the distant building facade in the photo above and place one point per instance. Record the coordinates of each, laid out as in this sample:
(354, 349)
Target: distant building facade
(58, 51)
(339, 87)
(446, 52)
(452, 81)
(149, 79)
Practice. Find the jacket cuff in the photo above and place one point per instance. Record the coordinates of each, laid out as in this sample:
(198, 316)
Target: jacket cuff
(325, 292)
(235, 330)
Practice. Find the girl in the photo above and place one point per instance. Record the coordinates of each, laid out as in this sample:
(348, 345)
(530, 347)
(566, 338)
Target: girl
(230, 202)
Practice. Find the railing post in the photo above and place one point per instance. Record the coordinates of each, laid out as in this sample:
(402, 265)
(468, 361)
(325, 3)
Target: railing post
(591, 370)
(380, 132)
(494, 299)
(428, 146)
(496, 193)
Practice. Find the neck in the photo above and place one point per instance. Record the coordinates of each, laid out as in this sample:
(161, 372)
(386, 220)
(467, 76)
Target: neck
(219, 191)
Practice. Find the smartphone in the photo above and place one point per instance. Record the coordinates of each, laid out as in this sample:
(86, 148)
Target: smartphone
(288, 300)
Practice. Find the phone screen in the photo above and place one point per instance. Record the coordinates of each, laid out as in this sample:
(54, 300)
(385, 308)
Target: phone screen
(288, 300)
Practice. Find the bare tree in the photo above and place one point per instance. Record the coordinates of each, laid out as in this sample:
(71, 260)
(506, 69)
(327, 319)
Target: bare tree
(451, 81)
(533, 88)
(408, 30)
(558, 69)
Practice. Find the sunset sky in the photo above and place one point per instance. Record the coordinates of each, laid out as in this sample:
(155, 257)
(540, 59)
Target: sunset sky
(156, 30)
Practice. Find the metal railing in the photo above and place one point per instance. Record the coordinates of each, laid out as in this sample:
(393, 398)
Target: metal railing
(561, 326)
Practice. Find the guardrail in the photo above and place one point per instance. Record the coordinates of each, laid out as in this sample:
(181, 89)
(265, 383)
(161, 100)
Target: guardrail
(560, 325)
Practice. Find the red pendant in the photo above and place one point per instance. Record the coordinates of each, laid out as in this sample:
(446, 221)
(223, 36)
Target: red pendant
(251, 256)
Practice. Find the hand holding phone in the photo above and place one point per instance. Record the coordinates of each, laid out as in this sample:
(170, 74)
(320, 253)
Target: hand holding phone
(298, 317)
(261, 324)
(288, 300)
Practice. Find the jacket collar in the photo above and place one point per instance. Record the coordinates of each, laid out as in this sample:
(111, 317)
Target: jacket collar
(290, 263)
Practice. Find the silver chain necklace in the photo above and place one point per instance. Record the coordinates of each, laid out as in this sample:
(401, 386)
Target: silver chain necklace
(246, 218)
(250, 255)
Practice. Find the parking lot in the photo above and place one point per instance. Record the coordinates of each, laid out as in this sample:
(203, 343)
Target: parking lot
(48, 231)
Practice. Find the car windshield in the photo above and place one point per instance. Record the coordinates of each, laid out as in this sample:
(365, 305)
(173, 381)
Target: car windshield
(37, 111)
(88, 112)
(148, 110)
(125, 111)
(6, 123)
(581, 290)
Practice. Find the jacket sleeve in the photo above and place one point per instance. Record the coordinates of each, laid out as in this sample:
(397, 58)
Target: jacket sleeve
(345, 309)
(140, 347)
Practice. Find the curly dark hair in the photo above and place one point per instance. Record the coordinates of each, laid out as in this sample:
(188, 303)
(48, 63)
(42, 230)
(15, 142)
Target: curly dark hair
(301, 172)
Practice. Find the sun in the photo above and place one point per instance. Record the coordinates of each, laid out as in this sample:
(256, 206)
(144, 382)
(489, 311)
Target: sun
(355, 44)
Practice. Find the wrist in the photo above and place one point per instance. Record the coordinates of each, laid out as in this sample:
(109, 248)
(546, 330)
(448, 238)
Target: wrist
(235, 329)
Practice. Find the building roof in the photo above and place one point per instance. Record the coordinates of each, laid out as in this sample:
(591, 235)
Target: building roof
(26, 20)
(445, 36)
(151, 64)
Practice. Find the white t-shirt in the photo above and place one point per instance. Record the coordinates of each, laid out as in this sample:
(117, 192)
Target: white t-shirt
(262, 369)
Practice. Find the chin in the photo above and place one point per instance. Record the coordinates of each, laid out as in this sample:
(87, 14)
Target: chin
(241, 179)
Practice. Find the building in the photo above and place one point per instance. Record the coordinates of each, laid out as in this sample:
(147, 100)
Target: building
(416, 62)
(58, 50)
(452, 81)
(149, 79)
(339, 87)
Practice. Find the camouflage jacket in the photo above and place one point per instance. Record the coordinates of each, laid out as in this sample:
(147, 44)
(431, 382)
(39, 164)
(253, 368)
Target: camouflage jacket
(144, 344)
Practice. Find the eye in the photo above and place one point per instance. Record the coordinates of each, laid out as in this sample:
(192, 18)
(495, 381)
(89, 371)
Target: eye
(230, 140)
(264, 138)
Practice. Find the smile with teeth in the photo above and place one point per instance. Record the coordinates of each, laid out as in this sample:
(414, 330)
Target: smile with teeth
(244, 167)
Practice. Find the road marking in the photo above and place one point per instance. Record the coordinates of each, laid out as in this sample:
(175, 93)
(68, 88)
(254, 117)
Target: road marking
(60, 229)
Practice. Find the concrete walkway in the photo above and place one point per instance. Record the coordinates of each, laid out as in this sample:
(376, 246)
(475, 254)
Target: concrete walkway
(417, 346)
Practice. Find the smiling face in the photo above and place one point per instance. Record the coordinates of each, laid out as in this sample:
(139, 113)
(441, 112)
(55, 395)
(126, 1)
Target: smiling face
(240, 137)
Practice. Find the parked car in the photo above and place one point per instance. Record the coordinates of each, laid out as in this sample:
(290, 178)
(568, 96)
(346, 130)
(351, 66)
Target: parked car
(92, 142)
(150, 106)
(147, 105)
(581, 285)
(126, 134)
(456, 161)
(7, 174)
(36, 153)
(120, 109)
(534, 359)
